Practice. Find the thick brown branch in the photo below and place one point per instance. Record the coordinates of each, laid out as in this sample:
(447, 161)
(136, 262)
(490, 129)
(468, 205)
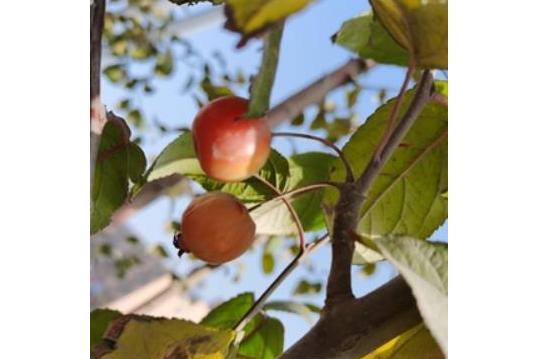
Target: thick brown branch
(358, 326)
(315, 92)
(353, 195)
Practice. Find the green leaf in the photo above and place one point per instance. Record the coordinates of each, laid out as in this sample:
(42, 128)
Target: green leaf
(212, 91)
(273, 217)
(366, 37)
(252, 16)
(405, 198)
(164, 64)
(137, 336)
(418, 26)
(119, 46)
(351, 96)
(303, 310)
(132, 240)
(307, 168)
(160, 251)
(178, 157)
(268, 262)
(424, 266)
(136, 162)
(99, 320)
(124, 104)
(110, 177)
(227, 314)
(298, 120)
(266, 342)
(305, 287)
(275, 170)
(135, 117)
(415, 343)
(115, 73)
(368, 269)
(142, 52)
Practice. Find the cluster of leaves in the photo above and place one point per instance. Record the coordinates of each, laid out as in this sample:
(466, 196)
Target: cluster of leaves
(114, 335)
(405, 205)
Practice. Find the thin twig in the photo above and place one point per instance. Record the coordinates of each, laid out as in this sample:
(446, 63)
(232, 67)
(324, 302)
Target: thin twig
(291, 209)
(97, 19)
(315, 92)
(346, 163)
(297, 191)
(395, 109)
(257, 306)
(353, 195)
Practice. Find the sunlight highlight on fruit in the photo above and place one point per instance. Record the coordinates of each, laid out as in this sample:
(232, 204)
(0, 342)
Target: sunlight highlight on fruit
(230, 147)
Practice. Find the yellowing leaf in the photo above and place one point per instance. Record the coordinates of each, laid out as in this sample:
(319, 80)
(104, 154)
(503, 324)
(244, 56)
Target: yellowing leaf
(418, 26)
(424, 267)
(145, 337)
(415, 343)
(252, 16)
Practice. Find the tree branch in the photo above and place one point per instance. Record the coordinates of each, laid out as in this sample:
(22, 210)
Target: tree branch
(353, 196)
(98, 117)
(149, 192)
(304, 253)
(97, 19)
(344, 160)
(289, 108)
(263, 82)
(315, 92)
(357, 327)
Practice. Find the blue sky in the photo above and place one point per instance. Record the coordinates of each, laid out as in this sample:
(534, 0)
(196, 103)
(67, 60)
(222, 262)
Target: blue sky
(306, 54)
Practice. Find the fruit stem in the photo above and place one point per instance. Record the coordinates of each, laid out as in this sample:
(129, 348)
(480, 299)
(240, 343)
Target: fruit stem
(346, 163)
(297, 191)
(293, 212)
(257, 306)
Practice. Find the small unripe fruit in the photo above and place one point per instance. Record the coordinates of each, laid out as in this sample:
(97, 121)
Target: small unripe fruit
(217, 228)
(230, 147)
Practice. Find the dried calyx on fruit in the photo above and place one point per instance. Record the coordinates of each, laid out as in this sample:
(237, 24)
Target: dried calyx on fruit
(229, 146)
(216, 228)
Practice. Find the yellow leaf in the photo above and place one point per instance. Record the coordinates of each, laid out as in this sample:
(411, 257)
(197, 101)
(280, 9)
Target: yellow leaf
(416, 343)
(145, 337)
(418, 26)
(249, 16)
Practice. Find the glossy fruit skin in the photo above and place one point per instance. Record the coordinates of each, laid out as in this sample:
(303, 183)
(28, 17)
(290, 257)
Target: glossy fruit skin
(217, 228)
(229, 147)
